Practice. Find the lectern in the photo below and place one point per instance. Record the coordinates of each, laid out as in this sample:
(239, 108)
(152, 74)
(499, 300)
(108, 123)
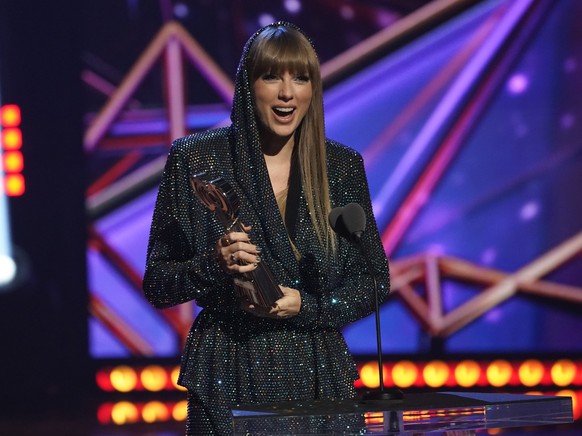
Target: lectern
(458, 413)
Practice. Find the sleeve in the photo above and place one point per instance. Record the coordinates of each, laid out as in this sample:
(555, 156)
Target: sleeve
(180, 263)
(362, 270)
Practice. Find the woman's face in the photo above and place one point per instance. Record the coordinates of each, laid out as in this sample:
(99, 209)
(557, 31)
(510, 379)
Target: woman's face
(281, 102)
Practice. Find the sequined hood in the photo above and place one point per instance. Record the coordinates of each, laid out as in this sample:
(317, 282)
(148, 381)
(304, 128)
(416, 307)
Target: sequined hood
(247, 153)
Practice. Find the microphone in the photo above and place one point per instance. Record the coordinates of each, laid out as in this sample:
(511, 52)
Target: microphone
(349, 222)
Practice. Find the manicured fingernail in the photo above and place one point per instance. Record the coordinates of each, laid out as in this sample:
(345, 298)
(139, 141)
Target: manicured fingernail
(258, 258)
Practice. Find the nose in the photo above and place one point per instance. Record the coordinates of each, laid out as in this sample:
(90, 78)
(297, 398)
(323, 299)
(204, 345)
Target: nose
(286, 89)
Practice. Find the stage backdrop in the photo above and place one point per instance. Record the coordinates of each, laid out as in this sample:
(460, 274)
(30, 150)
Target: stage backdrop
(470, 129)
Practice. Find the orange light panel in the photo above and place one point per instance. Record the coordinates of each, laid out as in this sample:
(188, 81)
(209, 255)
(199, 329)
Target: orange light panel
(404, 374)
(467, 373)
(531, 372)
(180, 411)
(11, 138)
(155, 411)
(369, 374)
(154, 378)
(13, 162)
(499, 373)
(563, 372)
(435, 373)
(10, 115)
(14, 185)
(123, 378)
(124, 412)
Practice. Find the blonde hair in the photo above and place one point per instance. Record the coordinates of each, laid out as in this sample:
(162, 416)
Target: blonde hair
(282, 48)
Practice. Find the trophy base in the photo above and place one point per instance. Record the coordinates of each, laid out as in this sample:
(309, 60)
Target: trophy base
(259, 294)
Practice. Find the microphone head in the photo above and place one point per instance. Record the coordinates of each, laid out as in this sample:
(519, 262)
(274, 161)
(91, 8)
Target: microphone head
(354, 219)
(333, 217)
(349, 221)
(336, 222)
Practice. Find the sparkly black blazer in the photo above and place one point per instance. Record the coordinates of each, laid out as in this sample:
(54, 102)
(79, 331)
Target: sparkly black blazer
(231, 356)
(181, 265)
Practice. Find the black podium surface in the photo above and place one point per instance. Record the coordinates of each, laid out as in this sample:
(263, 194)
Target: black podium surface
(445, 412)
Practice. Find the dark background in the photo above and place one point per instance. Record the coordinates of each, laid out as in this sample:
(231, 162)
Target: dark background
(43, 316)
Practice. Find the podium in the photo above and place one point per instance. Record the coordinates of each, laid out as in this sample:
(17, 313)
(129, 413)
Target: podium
(458, 413)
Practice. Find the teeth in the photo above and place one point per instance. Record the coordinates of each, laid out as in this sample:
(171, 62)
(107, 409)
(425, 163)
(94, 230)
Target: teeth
(284, 109)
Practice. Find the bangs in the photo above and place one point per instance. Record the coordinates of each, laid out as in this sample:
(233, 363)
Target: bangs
(280, 51)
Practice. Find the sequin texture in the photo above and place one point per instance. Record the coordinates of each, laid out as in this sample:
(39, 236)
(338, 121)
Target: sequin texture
(230, 356)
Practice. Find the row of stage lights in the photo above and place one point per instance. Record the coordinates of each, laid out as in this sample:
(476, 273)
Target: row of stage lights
(11, 145)
(470, 373)
(559, 376)
(128, 412)
(402, 374)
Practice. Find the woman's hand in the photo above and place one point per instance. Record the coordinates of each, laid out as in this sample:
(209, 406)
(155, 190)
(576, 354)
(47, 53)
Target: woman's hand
(288, 305)
(285, 307)
(235, 252)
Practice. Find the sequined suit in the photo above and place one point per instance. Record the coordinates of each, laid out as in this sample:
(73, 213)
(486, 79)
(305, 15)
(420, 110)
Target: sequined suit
(231, 356)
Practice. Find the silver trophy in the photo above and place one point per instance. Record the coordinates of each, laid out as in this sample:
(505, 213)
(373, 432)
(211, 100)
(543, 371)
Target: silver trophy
(258, 286)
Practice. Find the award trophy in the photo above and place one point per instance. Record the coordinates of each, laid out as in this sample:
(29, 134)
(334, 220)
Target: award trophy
(257, 286)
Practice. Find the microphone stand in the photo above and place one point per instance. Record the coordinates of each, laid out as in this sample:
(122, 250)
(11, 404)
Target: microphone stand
(382, 394)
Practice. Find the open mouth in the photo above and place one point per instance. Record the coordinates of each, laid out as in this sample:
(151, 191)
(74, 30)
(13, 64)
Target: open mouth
(283, 111)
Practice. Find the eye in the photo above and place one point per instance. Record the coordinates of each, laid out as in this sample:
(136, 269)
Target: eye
(269, 76)
(302, 78)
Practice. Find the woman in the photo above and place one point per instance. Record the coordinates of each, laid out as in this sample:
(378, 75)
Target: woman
(288, 177)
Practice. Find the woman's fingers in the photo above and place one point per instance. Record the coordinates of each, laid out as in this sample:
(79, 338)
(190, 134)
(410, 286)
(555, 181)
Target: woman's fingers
(236, 253)
(289, 305)
(234, 237)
